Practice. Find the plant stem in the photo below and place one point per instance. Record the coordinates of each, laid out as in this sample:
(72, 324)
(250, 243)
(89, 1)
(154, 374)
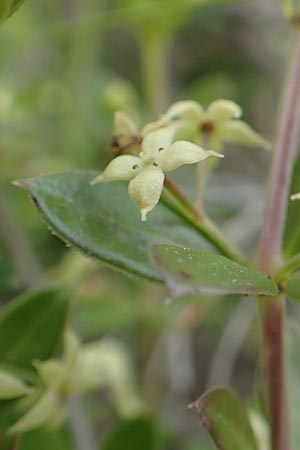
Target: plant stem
(272, 313)
(269, 254)
(155, 71)
(179, 203)
(201, 174)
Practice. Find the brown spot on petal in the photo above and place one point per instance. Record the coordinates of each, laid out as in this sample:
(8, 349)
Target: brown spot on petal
(207, 127)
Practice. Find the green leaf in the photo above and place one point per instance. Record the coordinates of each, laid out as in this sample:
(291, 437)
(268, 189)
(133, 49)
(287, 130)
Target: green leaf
(292, 226)
(224, 417)
(8, 7)
(134, 434)
(31, 327)
(102, 221)
(192, 272)
(10, 412)
(44, 440)
(292, 287)
(292, 343)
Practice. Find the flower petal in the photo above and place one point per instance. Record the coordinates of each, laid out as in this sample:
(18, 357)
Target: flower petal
(52, 372)
(12, 386)
(185, 110)
(182, 152)
(156, 140)
(295, 196)
(124, 167)
(123, 125)
(40, 414)
(239, 132)
(222, 110)
(152, 126)
(145, 189)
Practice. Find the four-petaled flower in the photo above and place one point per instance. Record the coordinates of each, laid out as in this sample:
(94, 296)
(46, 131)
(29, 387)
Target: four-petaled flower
(216, 125)
(145, 172)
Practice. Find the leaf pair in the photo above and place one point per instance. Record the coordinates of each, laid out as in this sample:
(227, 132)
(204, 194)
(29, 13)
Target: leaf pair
(102, 222)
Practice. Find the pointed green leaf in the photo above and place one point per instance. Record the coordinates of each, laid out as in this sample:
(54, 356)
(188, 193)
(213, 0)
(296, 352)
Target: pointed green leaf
(223, 415)
(103, 222)
(292, 287)
(31, 327)
(193, 272)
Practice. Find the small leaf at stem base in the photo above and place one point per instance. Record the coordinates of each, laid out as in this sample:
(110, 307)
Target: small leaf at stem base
(224, 417)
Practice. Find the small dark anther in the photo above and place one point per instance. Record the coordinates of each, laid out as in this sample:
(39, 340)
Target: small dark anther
(160, 149)
(154, 164)
(135, 166)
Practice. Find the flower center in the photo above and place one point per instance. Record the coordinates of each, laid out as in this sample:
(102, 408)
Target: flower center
(207, 127)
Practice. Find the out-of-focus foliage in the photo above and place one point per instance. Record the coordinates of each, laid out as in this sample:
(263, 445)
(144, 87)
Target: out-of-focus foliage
(7, 7)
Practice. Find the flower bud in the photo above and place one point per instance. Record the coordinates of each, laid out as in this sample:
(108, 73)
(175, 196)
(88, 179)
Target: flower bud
(11, 386)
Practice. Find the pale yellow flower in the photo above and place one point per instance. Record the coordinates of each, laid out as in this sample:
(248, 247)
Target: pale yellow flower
(218, 124)
(81, 369)
(146, 172)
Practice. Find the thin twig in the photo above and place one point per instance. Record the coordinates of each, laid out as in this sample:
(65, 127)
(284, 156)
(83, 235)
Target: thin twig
(229, 346)
(81, 429)
(18, 246)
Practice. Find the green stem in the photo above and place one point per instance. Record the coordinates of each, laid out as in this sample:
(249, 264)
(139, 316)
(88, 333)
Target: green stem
(270, 249)
(155, 71)
(179, 203)
(201, 174)
(287, 267)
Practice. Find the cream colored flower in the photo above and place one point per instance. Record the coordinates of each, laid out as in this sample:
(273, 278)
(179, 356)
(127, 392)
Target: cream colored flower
(145, 172)
(295, 196)
(81, 369)
(216, 125)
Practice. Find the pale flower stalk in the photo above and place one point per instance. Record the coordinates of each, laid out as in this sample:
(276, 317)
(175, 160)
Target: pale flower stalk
(146, 172)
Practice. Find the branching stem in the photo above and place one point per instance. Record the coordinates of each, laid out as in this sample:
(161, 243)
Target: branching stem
(270, 249)
(202, 223)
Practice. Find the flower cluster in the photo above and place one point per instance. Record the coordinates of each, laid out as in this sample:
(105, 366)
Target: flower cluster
(171, 142)
(81, 369)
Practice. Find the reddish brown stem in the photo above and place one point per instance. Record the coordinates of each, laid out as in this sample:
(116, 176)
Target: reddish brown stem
(270, 249)
(269, 256)
(273, 326)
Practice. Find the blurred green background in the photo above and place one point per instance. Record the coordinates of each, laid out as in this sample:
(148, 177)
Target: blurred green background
(66, 67)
